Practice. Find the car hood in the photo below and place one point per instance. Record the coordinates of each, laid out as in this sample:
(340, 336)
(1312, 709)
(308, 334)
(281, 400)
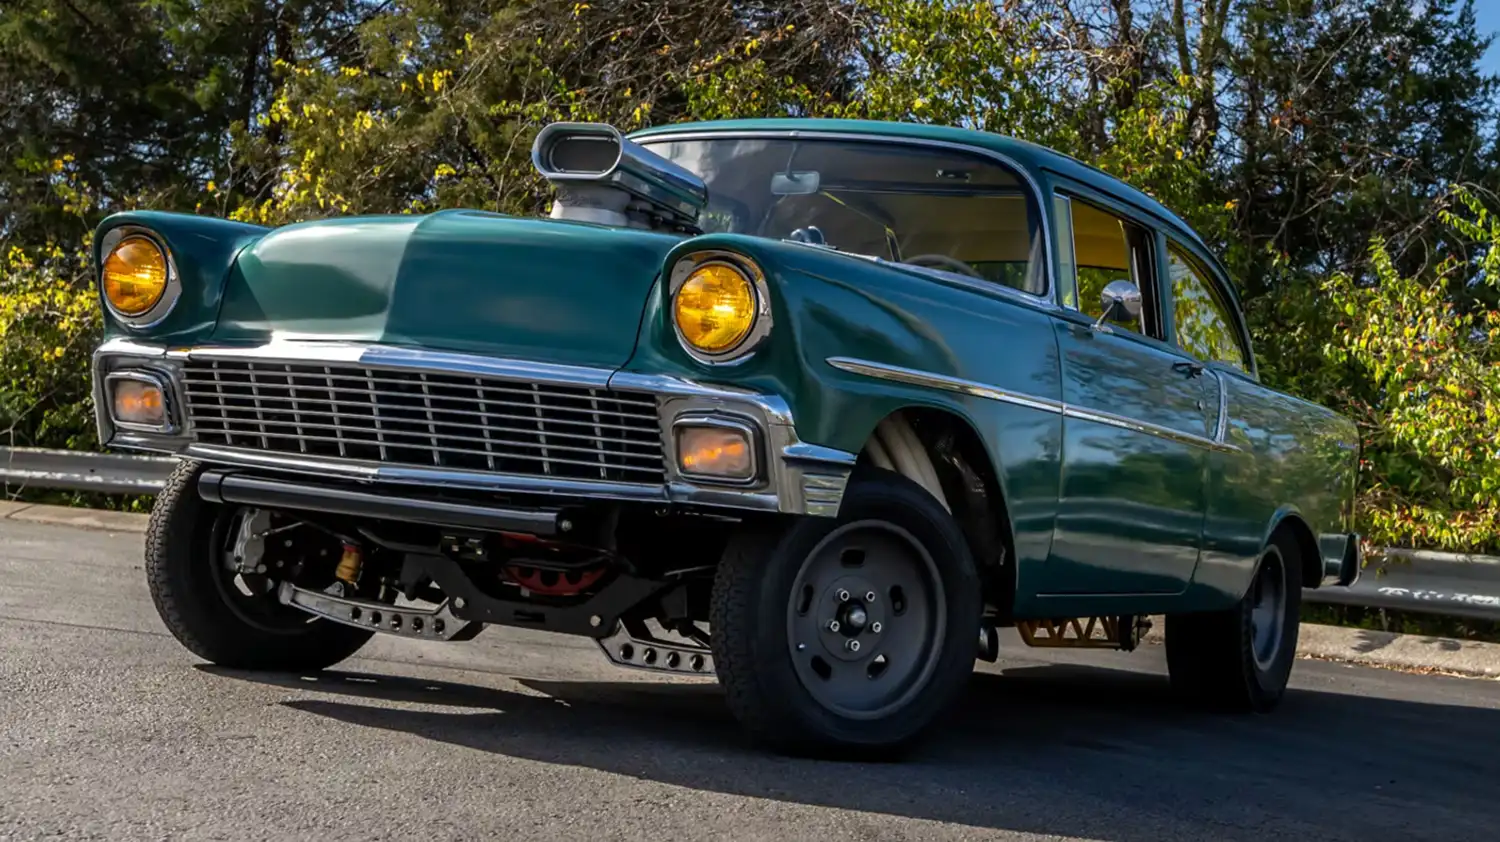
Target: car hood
(536, 289)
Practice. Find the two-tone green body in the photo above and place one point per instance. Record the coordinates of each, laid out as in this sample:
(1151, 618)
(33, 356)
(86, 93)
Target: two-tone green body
(1127, 487)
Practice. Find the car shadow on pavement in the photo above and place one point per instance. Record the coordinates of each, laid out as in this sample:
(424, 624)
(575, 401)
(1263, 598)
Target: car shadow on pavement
(1052, 749)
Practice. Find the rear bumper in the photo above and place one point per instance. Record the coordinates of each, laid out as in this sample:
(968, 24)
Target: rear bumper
(793, 477)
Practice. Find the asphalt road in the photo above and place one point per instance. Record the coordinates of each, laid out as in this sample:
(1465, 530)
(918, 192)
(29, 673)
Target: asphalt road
(109, 729)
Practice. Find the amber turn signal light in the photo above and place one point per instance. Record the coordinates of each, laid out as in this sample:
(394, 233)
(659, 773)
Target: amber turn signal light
(138, 403)
(717, 452)
(134, 276)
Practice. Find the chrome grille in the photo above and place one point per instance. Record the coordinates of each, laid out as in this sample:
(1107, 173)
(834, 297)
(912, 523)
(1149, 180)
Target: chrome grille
(425, 419)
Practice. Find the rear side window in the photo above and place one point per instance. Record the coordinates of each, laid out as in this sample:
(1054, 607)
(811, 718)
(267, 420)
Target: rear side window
(1205, 328)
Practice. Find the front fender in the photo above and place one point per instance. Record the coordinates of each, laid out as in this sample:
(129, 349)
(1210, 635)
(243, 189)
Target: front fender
(827, 305)
(202, 250)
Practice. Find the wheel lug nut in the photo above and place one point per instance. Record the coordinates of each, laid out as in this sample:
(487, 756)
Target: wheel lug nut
(875, 628)
(869, 596)
(833, 625)
(852, 646)
(843, 596)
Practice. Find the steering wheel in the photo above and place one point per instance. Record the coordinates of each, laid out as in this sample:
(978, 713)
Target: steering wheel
(943, 261)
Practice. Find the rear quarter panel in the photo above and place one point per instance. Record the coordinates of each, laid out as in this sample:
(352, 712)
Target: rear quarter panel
(829, 305)
(1294, 459)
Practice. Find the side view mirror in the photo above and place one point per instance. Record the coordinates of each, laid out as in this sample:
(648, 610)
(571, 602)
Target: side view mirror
(1121, 301)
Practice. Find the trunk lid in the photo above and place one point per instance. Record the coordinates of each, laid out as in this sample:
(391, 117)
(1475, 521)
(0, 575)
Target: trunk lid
(534, 289)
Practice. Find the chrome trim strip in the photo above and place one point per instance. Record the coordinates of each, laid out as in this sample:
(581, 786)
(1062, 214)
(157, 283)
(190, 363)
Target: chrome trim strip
(430, 477)
(818, 453)
(405, 359)
(1221, 429)
(926, 379)
(915, 377)
(1146, 427)
(1049, 297)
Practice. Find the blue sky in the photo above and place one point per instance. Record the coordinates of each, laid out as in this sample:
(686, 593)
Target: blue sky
(1487, 12)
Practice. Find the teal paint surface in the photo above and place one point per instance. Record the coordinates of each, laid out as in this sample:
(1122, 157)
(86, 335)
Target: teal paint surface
(1131, 514)
(203, 249)
(559, 292)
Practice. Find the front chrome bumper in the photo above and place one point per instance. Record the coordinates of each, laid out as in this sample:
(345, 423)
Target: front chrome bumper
(794, 477)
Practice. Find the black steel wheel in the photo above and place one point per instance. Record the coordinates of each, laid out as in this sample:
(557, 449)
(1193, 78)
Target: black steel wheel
(228, 618)
(1241, 658)
(848, 636)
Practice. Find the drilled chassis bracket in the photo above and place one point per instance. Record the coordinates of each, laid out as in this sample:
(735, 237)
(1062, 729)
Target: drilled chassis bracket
(596, 617)
(417, 623)
(1118, 632)
(644, 651)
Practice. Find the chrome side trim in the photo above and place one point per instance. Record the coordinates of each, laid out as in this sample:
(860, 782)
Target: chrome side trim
(1025, 176)
(1146, 427)
(915, 377)
(926, 379)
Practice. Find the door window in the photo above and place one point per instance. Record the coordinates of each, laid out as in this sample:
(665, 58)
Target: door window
(1204, 326)
(1104, 248)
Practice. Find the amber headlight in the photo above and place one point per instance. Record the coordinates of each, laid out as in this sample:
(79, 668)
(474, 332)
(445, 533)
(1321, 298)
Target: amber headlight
(716, 308)
(135, 276)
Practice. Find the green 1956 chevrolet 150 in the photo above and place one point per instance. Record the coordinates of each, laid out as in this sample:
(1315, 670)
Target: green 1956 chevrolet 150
(812, 406)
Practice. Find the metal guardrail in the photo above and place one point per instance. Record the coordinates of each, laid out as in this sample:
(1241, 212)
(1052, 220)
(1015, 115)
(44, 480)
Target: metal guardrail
(70, 470)
(1407, 580)
(1448, 584)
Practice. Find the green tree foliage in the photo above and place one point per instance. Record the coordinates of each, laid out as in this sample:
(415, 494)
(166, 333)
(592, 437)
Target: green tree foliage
(1292, 133)
(1430, 404)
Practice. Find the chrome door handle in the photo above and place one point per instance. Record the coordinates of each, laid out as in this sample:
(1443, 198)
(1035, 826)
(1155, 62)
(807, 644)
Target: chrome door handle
(1190, 369)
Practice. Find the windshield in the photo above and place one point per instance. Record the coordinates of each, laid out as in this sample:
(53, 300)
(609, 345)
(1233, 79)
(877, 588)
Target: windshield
(936, 208)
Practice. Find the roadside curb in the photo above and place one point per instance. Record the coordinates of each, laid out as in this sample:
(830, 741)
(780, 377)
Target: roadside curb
(1409, 652)
(73, 516)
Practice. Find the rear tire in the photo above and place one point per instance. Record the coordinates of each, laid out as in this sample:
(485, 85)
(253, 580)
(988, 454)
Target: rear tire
(1240, 659)
(895, 574)
(184, 571)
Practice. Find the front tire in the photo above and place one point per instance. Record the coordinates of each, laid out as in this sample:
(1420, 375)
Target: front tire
(1240, 659)
(208, 611)
(848, 636)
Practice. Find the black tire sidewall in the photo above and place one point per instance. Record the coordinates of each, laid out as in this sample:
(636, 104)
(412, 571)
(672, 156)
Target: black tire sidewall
(1268, 684)
(178, 560)
(896, 500)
